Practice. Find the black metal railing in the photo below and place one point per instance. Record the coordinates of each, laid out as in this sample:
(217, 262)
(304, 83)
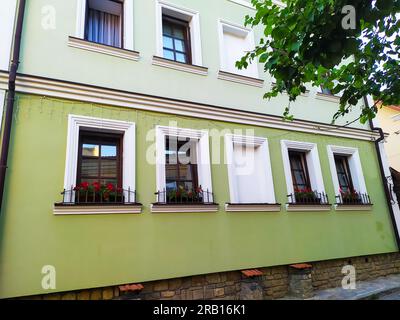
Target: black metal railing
(100, 197)
(184, 197)
(311, 198)
(353, 199)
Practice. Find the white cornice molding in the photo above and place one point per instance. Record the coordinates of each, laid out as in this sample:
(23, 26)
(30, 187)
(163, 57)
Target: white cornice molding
(307, 208)
(228, 76)
(327, 97)
(243, 207)
(86, 93)
(162, 62)
(104, 49)
(93, 210)
(167, 208)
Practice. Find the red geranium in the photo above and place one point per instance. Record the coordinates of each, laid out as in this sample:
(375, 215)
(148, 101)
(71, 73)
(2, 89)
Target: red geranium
(110, 187)
(96, 186)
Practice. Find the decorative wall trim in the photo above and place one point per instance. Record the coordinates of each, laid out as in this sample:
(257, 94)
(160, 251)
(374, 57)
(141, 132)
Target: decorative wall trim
(252, 207)
(93, 94)
(306, 208)
(263, 163)
(362, 207)
(327, 97)
(93, 210)
(75, 123)
(162, 62)
(167, 208)
(248, 4)
(223, 75)
(102, 48)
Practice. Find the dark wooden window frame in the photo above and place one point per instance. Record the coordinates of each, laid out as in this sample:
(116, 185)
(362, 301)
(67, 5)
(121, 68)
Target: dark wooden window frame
(347, 172)
(188, 45)
(88, 136)
(304, 168)
(121, 22)
(193, 166)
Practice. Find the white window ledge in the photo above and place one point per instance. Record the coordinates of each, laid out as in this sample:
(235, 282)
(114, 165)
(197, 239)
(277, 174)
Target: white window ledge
(96, 209)
(249, 5)
(252, 207)
(361, 207)
(171, 208)
(191, 68)
(305, 207)
(233, 77)
(102, 48)
(328, 97)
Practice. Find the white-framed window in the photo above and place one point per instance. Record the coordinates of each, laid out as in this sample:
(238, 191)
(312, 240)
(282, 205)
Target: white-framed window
(108, 22)
(302, 171)
(181, 40)
(234, 42)
(249, 170)
(126, 130)
(7, 20)
(347, 175)
(183, 163)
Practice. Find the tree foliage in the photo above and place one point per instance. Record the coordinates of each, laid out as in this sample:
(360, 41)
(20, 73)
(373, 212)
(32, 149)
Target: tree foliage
(305, 42)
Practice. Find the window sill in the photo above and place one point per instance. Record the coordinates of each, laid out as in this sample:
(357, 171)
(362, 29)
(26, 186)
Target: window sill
(183, 208)
(102, 48)
(191, 68)
(252, 207)
(308, 207)
(353, 207)
(76, 209)
(250, 81)
(328, 97)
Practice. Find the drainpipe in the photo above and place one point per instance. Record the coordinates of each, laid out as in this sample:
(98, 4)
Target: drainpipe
(11, 98)
(382, 171)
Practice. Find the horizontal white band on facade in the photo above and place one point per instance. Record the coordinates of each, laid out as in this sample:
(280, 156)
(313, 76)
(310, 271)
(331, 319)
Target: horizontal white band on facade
(86, 93)
(243, 207)
(182, 208)
(223, 75)
(92, 210)
(309, 207)
(101, 48)
(361, 207)
(328, 97)
(162, 62)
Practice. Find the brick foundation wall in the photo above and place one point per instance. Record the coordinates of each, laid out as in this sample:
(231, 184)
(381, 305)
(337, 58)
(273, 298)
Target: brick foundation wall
(233, 285)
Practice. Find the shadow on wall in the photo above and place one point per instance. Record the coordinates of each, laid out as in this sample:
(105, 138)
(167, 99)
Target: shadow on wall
(396, 183)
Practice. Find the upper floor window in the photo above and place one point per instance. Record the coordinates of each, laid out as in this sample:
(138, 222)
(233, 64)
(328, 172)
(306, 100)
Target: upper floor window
(178, 34)
(176, 40)
(104, 22)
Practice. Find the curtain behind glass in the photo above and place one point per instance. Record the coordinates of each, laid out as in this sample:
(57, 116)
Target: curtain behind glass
(104, 28)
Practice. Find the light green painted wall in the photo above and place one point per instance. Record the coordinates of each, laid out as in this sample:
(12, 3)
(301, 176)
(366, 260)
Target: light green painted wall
(92, 251)
(46, 53)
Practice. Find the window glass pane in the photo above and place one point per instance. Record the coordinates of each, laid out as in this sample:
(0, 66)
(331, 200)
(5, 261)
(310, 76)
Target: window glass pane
(170, 185)
(90, 167)
(179, 33)
(187, 185)
(171, 171)
(185, 172)
(180, 57)
(167, 30)
(108, 151)
(168, 42)
(90, 150)
(108, 168)
(179, 45)
(169, 54)
(107, 181)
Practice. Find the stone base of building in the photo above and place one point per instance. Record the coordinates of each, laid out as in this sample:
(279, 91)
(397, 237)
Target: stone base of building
(274, 283)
